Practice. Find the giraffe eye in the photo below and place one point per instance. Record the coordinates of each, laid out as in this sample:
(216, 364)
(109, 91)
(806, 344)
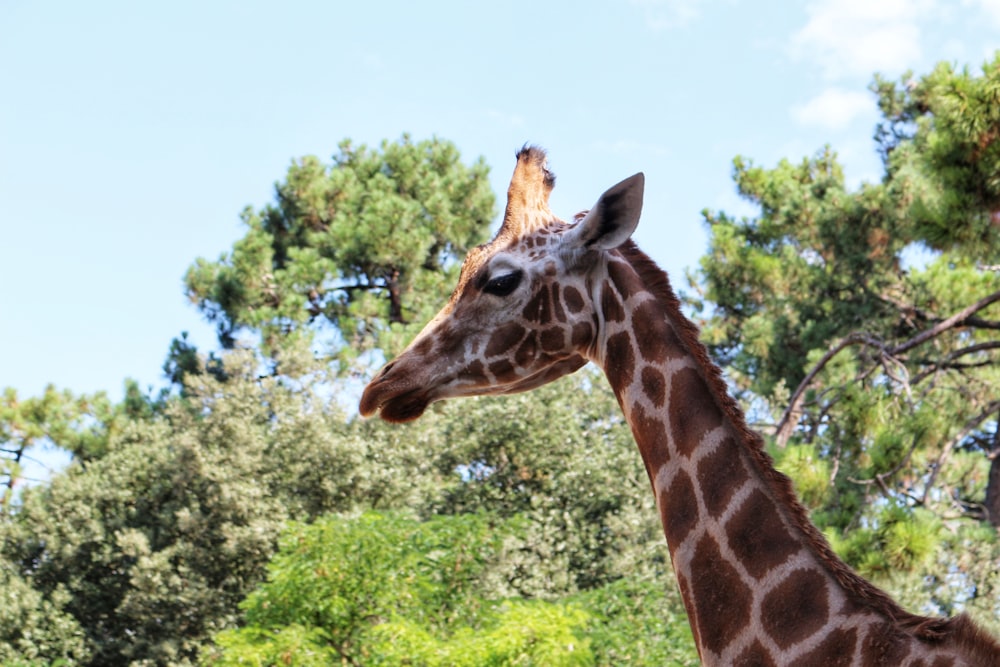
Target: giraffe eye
(503, 285)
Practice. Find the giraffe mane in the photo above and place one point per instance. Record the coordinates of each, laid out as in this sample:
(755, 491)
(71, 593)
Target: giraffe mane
(860, 590)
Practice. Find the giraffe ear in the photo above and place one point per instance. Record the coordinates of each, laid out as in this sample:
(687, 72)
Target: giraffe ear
(612, 220)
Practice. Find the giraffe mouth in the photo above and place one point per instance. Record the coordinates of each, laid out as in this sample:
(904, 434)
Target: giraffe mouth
(394, 404)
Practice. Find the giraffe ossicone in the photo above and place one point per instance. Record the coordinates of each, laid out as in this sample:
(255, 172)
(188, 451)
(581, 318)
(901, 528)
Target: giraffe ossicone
(760, 584)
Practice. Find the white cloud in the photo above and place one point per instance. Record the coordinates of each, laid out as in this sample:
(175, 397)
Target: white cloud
(834, 108)
(665, 14)
(860, 37)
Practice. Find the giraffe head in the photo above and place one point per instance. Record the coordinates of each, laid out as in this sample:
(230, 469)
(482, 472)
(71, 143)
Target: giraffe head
(523, 311)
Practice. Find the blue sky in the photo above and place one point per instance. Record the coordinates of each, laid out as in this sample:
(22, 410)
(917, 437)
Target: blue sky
(132, 134)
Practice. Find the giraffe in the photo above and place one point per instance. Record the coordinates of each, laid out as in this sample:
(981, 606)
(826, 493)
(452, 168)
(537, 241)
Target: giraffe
(760, 584)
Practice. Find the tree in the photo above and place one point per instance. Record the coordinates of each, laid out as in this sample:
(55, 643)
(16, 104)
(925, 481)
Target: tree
(568, 464)
(35, 630)
(390, 590)
(355, 250)
(944, 132)
(880, 371)
(82, 425)
(174, 504)
(149, 548)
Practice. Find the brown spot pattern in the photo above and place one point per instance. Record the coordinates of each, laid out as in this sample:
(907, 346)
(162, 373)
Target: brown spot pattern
(720, 475)
(796, 608)
(538, 308)
(721, 599)
(557, 307)
(693, 411)
(883, 645)
(651, 438)
(837, 650)
(754, 655)
(504, 338)
(619, 360)
(476, 369)
(689, 605)
(654, 385)
(573, 299)
(610, 305)
(625, 279)
(679, 509)
(656, 338)
(757, 535)
(527, 351)
(553, 339)
(583, 333)
(502, 369)
(943, 661)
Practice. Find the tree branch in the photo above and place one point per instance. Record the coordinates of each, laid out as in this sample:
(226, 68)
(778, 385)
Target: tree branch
(939, 328)
(794, 410)
(792, 413)
(968, 428)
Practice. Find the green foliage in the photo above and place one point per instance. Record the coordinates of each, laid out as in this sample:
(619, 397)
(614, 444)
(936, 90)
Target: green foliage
(890, 401)
(808, 468)
(154, 543)
(802, 274)
(943, 132)
(81, 424)
(35, 630)
(390, 590)
(293, 645)
(638, 622)
(151, 547)
(569, 466)
(471, 537)
(365, 245)
(524, 633)
(898, 539)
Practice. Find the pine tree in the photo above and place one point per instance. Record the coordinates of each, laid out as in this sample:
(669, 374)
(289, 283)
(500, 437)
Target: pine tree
(866, 322)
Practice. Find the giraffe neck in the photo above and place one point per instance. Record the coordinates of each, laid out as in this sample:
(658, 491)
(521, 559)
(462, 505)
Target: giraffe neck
(758, 581)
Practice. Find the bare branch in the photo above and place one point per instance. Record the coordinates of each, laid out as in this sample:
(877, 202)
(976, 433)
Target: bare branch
(792, 414)
(969, 426)
(794, 410)
(980, 323)
(881, 477)
(939, 328)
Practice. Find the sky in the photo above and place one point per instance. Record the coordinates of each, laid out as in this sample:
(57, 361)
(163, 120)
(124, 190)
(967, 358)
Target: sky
(133, 134)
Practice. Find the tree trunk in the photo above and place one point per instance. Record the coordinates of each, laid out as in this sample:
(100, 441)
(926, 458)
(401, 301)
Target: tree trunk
(992, 501)
(395, 299)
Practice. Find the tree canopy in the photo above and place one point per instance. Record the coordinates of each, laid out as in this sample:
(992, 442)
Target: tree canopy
(364, 244)
(866, 321)
(242, 516)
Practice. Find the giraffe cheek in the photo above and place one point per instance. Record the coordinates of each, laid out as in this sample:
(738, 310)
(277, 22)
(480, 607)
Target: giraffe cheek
(503, 339)
(583, 335)
(527, 351)
(553, 340)
(474, 373)
(502, 370)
